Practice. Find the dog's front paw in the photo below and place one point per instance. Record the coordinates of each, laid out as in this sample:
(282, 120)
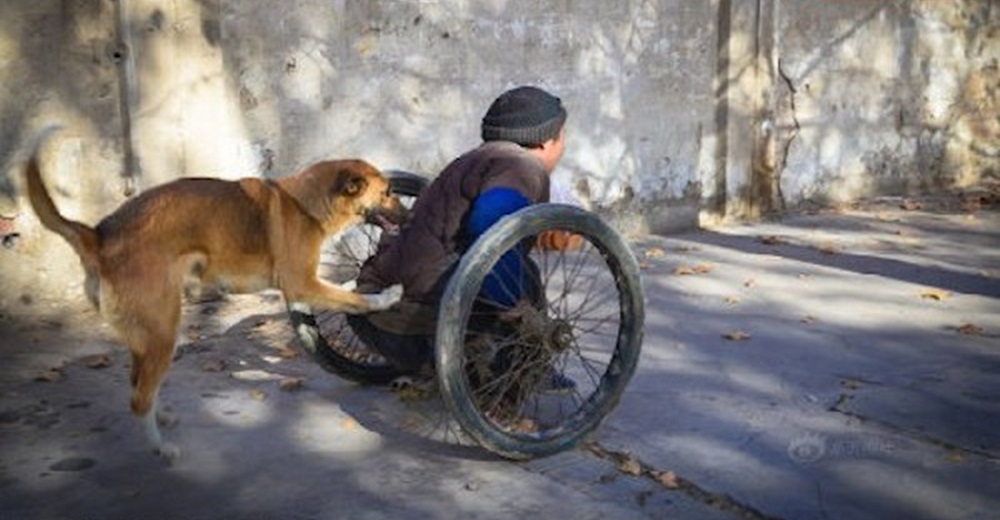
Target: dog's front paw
(165, 419)
(169, 452)
(385, 299)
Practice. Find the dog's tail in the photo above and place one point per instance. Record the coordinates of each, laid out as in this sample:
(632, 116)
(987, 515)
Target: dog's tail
(84, 239)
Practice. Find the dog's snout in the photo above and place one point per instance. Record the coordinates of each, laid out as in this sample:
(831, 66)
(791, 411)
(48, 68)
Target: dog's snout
(390, 213)
(393, 209)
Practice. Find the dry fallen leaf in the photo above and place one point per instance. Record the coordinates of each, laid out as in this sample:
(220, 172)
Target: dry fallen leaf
(413, 424)
(736, 335)
(288, 352)
(911, 205)
(655, 252)
(213, 365)
(935, 294)
(850, 384)
(526, 425)
(829, 248)
(414, 393)
(667, 479)
(695, 269)
(970, 329)
(771, 240)
(629, 465)
(268, 327)
(291, 384)
(348, 423)
(49, 376)
(97, 361)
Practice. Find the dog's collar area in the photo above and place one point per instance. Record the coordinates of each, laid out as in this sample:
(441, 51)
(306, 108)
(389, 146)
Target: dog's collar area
(376, 218)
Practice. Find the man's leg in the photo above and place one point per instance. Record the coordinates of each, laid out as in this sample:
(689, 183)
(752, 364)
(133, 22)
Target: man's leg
(409, 353)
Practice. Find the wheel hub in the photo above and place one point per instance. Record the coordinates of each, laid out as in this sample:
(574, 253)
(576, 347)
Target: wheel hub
(560, 335)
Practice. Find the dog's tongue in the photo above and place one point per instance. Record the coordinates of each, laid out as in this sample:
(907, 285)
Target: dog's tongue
(381, 221)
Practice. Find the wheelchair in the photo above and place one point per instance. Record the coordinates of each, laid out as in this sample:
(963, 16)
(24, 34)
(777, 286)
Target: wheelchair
(586, 324)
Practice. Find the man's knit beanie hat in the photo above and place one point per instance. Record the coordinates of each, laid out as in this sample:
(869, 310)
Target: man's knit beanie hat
(524, 115)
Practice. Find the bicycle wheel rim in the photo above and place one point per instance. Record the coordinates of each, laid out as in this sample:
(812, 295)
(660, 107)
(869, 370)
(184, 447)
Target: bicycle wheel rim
(610, 365)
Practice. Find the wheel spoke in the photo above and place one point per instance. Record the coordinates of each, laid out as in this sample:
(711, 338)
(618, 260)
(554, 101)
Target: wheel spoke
(515, 357)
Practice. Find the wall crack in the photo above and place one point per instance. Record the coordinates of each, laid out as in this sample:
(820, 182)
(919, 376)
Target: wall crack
(789, 132)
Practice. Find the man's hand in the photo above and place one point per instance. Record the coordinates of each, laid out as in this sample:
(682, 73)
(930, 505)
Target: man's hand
(556, 240)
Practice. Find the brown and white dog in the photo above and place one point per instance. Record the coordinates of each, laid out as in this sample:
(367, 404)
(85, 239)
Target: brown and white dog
(241, 236)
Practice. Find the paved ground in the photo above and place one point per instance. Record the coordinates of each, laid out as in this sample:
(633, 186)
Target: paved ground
(837, 365)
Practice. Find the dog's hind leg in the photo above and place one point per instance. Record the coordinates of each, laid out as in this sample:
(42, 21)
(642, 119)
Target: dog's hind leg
(149, 369)
(162, 417)
(151, 341)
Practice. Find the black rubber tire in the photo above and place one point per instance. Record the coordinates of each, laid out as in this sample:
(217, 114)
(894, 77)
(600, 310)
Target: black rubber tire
(328, 338)
(461, 293)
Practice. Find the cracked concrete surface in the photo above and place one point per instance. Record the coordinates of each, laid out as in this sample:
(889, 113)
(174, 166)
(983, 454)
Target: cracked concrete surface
(831, 365)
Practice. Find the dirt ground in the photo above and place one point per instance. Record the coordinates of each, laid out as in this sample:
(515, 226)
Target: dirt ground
(264, 432)
(834, 364)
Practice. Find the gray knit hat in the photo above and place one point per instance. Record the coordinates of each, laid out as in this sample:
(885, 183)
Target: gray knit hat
(524, 115)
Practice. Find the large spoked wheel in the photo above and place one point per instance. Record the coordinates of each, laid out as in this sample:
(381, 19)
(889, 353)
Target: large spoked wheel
(326, 335)
(505, 369)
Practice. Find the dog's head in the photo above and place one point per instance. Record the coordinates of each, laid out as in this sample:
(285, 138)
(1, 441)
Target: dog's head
(344, 193)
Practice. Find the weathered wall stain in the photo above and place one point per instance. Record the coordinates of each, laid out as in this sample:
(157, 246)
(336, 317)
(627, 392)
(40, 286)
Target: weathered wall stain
(681, 111)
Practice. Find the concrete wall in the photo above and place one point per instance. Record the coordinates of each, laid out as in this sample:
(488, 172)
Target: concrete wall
(681, 111)
(893, 97)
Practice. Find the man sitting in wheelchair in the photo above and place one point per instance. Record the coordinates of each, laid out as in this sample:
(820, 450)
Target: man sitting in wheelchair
(523, 141)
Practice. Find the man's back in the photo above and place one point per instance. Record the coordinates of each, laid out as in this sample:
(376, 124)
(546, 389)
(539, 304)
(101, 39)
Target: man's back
(429, 245)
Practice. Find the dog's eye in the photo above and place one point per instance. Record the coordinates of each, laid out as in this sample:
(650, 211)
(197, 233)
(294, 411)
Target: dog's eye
(351, 187)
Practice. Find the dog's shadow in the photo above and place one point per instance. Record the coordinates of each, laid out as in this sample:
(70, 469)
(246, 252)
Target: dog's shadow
(417, 420)
(422, 423)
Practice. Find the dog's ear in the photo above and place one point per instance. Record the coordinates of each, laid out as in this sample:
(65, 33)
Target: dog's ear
(313, 188)
(318, 188)
(350, 183)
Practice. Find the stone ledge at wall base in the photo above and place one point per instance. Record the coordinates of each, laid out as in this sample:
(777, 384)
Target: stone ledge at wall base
(674, 218)
(661, 219)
